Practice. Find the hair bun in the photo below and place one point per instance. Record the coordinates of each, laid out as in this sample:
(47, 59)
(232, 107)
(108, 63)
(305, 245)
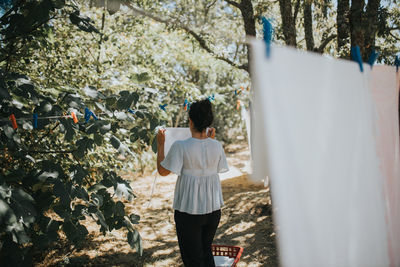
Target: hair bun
(201, 114)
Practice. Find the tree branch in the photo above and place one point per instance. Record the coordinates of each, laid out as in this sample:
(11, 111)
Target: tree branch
(394, 28)
(325, 42)
(395, 37)
(42, 151)
(233, 3)
(296, 10)
(182, 26)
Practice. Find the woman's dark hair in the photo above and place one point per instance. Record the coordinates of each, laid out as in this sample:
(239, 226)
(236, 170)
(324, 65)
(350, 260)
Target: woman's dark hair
(201, 114)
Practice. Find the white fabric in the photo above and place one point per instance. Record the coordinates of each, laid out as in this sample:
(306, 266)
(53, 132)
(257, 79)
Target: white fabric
(223, 261)
(173, 134)
(197, 163)
(313, 134)
(385, 92)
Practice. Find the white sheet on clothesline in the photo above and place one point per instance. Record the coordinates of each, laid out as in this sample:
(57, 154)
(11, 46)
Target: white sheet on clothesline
(314, 134)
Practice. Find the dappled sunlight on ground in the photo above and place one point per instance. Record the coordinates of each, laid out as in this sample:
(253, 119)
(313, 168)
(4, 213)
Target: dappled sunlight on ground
(246, 221)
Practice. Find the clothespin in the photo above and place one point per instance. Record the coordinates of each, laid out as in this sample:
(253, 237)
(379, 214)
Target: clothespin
(211, 98)
(356, 55)
(93, 115)
(397, 63)
(238, 104)
(13, 121)
(185, 104)
(89, 114)
(35, 119)
(74, 118)
(131, 111)
(372, 58)
(163, 106)
(188, 105)
(267, 32)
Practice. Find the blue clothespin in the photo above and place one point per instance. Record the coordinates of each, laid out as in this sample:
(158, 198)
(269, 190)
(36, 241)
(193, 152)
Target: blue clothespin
(267, 32)
(356, 55)
(35, 119)
(397, 63)
(188, 105)
(372, 58)
(211, 98)
(93, 115)
(131, 111)
(89, 114)
(163, 106)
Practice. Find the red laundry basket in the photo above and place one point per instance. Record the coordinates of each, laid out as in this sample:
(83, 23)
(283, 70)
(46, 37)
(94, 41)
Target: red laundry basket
(227, 251)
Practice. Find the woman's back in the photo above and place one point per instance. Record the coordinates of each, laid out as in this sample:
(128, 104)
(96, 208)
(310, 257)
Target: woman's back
(197, 162)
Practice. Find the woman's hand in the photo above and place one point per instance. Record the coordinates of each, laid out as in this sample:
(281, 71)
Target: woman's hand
(161, 137)
(211, 132)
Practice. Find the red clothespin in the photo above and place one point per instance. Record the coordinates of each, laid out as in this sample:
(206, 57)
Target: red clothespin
(13, 121)
(238, 104)
(74, 117)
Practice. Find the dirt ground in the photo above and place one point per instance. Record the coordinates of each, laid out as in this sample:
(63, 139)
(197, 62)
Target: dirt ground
(246, 221)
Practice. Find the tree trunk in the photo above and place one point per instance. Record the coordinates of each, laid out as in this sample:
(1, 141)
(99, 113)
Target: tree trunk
(308, 25)
(325, 8)
(246, 8)
(356, 24)
(342, 21)
(371, 27)
(288, 23)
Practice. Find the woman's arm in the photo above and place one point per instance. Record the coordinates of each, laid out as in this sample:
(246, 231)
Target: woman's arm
(160, 153)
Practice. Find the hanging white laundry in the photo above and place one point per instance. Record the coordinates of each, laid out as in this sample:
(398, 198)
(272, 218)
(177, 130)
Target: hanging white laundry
(174, 134)
(314, 120)
(384, 86)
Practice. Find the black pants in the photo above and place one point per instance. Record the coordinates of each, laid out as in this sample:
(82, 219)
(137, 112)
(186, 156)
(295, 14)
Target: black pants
(195, 235)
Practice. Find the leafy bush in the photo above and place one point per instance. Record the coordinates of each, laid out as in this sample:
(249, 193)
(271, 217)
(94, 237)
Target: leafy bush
(47, 183)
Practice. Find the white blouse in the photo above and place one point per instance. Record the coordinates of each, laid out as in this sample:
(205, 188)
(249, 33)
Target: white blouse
(197, 163)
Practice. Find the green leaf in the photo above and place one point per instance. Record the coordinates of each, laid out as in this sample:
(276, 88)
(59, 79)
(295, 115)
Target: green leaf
(105, 127)
(23, 206)
(92, 209)
(108, 209)
(98, 139)
(119, 209)
(135, 241)
(62, 211)
(134, 218)
(102, 220)
(115, 142)
(154, 145)
(77, 173)
(83, 144)
(58, 3)
(126, 100)
(60, 191)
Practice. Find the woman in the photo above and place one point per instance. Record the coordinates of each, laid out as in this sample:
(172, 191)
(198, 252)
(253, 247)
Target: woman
(198, 196)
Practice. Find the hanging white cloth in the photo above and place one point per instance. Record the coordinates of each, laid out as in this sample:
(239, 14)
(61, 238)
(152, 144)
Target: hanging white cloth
(313, 133)
(173, 134)
(384, 86)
